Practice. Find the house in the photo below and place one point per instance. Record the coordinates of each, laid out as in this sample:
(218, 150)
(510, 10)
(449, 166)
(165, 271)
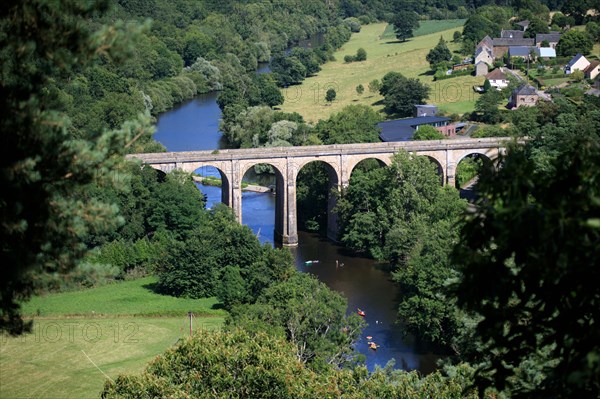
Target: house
(523, 25)
(497, 78)
(404, 129)
(484, 54)
(577, 63)
(511, 34)
(481, 68)
(487, 42)
(425, 110)
(524, 96)
(520, 51)
(545, 52)
(552, 38)
(592, 70)
(501, 45)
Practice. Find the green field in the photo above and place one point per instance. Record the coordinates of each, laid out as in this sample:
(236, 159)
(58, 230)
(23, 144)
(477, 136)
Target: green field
(84, 337)
(427, 27)
(383, 55)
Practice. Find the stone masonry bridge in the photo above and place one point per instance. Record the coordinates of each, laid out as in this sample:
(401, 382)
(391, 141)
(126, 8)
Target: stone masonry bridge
(339, 159)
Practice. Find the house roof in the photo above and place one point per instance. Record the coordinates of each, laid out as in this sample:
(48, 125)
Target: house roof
(503, 41)
(486, 41)
(592, 66)
(552, 37)
(525, 90)
(519, 51)
(524, 23)
(510, 34)
(575, 59)
(547, 52)
(496, 74)
(404, 129)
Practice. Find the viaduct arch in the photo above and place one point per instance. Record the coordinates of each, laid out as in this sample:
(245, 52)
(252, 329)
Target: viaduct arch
(341, 159)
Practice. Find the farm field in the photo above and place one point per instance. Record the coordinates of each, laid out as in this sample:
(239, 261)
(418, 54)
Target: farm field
(82, 338)
(383, 55)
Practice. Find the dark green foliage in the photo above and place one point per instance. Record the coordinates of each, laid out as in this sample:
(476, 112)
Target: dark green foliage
(312, 195)
(44, 166)
(353, 124)
(593, 29)
(486, 106)
(361, 54)
(438, 54)
(360, 89)
(401, 94)
(306, 313)
(378, 200)
(426, 132)
(535, 240)
(405, 22)
(227, 365)
(573, 42)
(330, 95)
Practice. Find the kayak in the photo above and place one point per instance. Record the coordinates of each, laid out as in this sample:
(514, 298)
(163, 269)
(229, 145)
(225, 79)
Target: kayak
(361, 313)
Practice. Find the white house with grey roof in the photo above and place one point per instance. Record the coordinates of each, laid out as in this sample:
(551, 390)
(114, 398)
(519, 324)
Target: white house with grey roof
(577, 63)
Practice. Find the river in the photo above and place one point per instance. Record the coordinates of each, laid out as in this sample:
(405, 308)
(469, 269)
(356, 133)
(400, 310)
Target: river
(194, 126)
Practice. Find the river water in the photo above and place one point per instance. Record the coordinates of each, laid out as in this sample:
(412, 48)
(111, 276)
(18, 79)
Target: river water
(194, 126)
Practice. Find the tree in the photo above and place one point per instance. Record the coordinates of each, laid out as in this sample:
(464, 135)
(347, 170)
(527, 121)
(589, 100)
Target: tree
(456, 36)
(45, 168)
(439, 53)
(561, 20)
(487, 86)
(536, 235)
(353, 124)
(361, 54)
(593, 29)
(360, 89)
(405, 22)
(487, 106)
(264, 366)
(308, 314)
(401, 94)
(330, 95)
(574, 42)
(427, 132)
(374, 86)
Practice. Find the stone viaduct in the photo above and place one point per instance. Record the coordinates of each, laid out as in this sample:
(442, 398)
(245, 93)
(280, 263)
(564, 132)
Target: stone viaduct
(339, 159)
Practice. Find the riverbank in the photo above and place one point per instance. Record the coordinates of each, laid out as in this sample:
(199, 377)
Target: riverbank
(384, 54)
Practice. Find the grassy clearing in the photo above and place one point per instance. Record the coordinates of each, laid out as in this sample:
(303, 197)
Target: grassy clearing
(72, 357)
(133, 298)
(427, 27)
(84, 337)
(383, 55)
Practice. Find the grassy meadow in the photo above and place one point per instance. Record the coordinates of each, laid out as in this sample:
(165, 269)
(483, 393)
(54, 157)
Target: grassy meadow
(82, 338)
(383, 55)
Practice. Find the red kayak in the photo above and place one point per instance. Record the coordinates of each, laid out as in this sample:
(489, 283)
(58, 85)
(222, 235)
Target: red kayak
(361, 313)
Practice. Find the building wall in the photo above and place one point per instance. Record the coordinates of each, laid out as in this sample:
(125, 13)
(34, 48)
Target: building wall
(485, 57)
(448, 130)
(593, 73)
(579, 65)
(482, 69)
(528, 101)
